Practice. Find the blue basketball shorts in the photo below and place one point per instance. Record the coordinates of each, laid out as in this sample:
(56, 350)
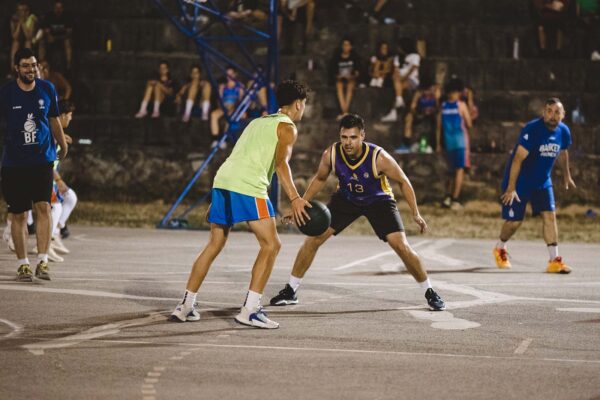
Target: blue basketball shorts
(228, 208)
(458, 158)
(541, 200)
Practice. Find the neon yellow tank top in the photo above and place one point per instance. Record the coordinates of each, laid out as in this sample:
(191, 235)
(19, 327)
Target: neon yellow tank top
(249, 168)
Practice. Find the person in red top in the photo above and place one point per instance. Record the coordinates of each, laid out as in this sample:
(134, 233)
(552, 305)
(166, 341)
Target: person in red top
(550, 18)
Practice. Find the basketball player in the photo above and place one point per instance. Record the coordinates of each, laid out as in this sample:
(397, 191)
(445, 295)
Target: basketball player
(240, 194)
(32, 130)
(363, 170)
(527, 178)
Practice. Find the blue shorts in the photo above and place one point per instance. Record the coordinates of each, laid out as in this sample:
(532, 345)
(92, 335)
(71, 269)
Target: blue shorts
(228, 208)
(541, 200)
(458, 158)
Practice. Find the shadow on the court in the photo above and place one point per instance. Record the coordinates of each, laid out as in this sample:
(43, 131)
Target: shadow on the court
(472, 270)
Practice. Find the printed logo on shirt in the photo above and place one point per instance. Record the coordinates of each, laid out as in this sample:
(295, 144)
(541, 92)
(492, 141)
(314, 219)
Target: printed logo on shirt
(366, 175)
(549, 150)
(511, 213)
(30, 130)
(354, 177)
(526, 136)
(17, 107)
(41, 103)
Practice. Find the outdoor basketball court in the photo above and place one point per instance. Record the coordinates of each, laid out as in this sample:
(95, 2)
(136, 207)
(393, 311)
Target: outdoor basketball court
(362, 330)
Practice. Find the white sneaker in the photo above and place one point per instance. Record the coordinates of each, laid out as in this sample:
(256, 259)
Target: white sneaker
(183, 313)
(52, 256)
(399, 102)
(595, 56)
(392, 116)
(58, 245)
(186, 118)
(257, 318)
(141, 114)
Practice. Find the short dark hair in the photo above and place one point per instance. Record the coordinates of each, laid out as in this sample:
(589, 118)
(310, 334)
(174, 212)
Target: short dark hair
(552, 100)
(66, 106)
(289, 91)
(454, 85)
(22, 53)
(352, 121)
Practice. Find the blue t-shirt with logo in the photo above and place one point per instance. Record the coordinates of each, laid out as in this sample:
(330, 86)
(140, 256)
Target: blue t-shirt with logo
(544, 146)
(27, 136)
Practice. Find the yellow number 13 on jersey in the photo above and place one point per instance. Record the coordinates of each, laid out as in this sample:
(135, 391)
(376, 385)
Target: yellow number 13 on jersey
(356, 188)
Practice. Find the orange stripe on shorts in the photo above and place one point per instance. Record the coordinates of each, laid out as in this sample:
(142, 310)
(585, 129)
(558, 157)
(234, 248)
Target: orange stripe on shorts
(262, 209)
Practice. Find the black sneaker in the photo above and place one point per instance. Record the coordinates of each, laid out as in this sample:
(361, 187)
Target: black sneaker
(285, 297)
(434, 300)
(64, 232)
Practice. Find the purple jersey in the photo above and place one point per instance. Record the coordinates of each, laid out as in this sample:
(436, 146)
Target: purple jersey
(359, 182)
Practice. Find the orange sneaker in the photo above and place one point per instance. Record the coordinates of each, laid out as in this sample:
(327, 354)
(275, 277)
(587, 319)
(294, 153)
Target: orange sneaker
(557, 266)
(501, 256)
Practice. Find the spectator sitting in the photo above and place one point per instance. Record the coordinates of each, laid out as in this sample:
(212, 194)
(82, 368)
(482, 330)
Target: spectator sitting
(23, 26)
(550, 17)
(259, 105)
(161, 88)
(381, 67)
(423, 113)
(243, 9)
(294, 12)
(588, 12)
(192, 88)
(406, 75)
(344, 69)
(231, 92)
(58, 29)
(61, 84)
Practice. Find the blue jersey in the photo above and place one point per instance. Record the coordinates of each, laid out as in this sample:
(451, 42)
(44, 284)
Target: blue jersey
(359, 183)
(453, 127)
(232, 95)
(27, 136)
(544, 146)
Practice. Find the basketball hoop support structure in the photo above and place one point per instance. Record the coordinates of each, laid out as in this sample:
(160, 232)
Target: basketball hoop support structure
(197, 20)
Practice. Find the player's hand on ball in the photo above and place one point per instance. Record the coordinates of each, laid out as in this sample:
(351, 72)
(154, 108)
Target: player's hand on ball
(287, 219)
(569, 183)
(421, 222)
(509, 197)
(300, 214)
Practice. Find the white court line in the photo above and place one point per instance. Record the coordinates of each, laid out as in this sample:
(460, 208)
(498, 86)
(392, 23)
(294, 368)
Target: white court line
(352, 351)
(15, 328)
(523, 346)
(583, 310)
(376, 256)
(431, 253)
(97, 293)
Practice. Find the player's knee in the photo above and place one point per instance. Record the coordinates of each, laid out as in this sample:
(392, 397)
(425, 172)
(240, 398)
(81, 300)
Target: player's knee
(41, 208)
(272, 246)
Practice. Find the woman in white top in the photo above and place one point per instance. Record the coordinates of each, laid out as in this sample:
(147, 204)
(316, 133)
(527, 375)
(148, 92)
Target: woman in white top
(406, 74)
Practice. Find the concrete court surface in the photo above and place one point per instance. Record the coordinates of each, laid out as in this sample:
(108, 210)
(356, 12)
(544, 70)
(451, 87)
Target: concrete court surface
(362, 330)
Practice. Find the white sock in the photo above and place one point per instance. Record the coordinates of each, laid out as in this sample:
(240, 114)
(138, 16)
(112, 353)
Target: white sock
(144, 106)
(188, 107)
(156, 109)
(425, 284)
(205, 108)
(189, 298)
(23, 261)
(501, 244)
(399, 102)
(29, 218)
(68, 204)
(252, 300)
(56, 211)
(553, 251)
(42, 257)
(295, 282)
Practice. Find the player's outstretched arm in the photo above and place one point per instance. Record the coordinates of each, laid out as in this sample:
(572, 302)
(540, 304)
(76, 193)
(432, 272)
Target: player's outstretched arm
(59, 136)
(317, 181)
(389, 167)
(286, 137)
(563, 161)
(510, 195)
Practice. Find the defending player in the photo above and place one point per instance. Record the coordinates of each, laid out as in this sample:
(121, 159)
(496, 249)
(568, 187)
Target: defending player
(240, 194)
(528, 179)
(363, 170)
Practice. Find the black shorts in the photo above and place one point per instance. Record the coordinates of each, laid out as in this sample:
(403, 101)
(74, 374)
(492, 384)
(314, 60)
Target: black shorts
(383, 215)
(22, 186)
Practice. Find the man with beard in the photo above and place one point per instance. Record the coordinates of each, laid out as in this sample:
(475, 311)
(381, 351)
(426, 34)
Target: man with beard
(363, 170)
(527, 178)
(30, 109)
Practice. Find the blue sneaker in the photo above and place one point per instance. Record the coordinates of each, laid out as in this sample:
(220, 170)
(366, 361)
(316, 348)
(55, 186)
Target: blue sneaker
(402, 150)
(183, 313)
(256, 318)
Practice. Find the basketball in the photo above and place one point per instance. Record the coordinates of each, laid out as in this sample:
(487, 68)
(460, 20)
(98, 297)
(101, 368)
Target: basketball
(320, 219)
